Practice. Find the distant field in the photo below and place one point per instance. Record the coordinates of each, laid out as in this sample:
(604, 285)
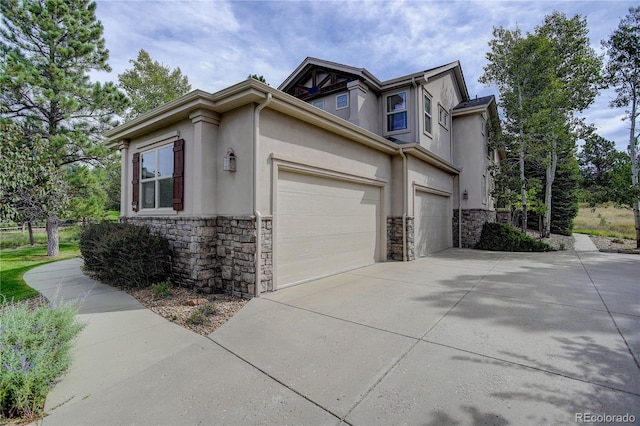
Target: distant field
(606, 220)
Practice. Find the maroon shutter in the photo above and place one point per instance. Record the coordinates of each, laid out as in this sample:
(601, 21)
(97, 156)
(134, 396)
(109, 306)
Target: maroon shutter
(178, 174)
(135, 194)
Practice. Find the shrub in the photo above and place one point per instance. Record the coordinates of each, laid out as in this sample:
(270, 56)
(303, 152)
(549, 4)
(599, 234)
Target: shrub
(124, 254)
(499, 237)
(34, 352)
(162, 289)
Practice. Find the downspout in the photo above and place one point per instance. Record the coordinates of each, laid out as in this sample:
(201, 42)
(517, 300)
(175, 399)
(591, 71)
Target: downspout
(405, 177)
(404, 204)
(459, 211)
(256, 134)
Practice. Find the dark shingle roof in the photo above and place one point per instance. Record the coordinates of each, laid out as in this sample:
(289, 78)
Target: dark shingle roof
(486, 100)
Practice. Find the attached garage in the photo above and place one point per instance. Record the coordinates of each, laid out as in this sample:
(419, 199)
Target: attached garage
(432, 221)
(324, 225)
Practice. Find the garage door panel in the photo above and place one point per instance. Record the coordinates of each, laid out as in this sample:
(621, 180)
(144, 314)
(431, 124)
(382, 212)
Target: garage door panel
(432, 223)
(310, 226)
(324, 226)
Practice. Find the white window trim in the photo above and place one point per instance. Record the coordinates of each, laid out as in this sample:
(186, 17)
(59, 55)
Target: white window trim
(388, 113)
(447, 116)
(154, 179)
(426, 94)
(346, 95)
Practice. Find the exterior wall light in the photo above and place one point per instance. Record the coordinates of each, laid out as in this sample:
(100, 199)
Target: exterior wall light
(229, 164)
(465, 195)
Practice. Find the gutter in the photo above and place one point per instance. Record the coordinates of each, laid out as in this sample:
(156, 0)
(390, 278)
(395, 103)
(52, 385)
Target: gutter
(258, 253)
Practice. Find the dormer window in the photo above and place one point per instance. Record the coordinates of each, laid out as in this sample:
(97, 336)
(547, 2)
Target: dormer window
(397, 112)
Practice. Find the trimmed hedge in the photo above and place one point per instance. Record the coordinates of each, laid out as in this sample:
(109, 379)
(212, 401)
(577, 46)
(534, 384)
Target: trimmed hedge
(499, 237)
(123, 254)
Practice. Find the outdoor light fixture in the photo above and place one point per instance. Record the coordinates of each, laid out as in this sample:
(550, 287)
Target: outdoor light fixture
(230, 161)
(465, 195)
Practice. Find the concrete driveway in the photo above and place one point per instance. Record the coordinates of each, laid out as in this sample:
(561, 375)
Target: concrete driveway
(462, 337)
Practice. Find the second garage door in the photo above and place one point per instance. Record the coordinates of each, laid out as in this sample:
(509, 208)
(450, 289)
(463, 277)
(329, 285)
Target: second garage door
(324, 226)
(432, 222)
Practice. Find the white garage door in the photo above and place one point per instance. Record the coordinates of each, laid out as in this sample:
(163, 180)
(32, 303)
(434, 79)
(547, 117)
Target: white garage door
(432, 223)
(324, 226)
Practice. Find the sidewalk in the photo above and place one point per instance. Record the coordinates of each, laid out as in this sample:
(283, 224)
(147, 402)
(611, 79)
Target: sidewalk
(121, 339)
(583, 243)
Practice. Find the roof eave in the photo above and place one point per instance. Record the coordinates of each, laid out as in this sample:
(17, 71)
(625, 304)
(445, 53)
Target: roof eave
(246, 92)
(429, 157)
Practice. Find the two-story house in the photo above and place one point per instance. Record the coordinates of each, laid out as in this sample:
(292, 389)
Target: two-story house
(260, 188)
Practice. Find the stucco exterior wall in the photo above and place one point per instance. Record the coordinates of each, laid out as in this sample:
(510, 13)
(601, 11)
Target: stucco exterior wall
(470, 151)
(290, 140)
(234, 190)
(443, 91)
(427, 176)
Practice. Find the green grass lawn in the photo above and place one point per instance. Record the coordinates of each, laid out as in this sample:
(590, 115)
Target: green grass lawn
(14, 262)
(605, 220)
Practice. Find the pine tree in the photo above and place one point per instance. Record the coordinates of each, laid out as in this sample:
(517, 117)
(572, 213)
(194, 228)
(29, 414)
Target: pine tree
(47, 50)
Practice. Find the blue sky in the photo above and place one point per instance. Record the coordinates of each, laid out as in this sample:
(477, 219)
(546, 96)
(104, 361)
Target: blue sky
(219, 43)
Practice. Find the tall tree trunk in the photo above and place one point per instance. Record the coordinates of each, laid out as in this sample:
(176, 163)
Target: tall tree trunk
(633, 153)
(53, 246)
(550, 178)
(32, 241)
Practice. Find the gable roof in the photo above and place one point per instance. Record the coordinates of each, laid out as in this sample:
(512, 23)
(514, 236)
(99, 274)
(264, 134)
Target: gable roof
(302, 73)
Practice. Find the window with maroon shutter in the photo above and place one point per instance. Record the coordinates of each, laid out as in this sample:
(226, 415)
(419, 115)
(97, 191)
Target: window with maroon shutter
(136, 183)
(178, 174)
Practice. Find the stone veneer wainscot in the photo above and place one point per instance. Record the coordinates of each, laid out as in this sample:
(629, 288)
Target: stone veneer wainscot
(215, 253)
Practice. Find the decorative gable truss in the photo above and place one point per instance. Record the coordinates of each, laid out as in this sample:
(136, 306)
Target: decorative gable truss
(321, 82)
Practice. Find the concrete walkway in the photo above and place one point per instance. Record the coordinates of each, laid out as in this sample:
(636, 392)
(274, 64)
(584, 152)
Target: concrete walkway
(462, 337)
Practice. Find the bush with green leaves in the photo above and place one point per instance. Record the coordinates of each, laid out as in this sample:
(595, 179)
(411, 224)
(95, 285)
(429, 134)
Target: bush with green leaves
(35, 346)
(499, 237)
(123, 254)
(162, 289)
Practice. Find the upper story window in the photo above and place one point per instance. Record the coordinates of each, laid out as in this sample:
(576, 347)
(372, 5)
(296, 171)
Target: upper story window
(319, 104)
(342, 101)
(156, 178)
(443, 117)
(427, 113)
(397, 111)
(483, 126)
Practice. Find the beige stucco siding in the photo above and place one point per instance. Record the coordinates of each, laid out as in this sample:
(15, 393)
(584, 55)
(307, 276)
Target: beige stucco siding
(470, 143)
(287, 140)
(443, 92)
(234, 190)
(428, 176)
